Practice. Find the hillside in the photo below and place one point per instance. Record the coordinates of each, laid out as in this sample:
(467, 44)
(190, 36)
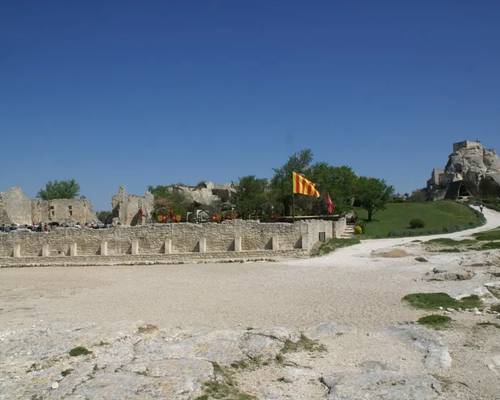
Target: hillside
(439, 217)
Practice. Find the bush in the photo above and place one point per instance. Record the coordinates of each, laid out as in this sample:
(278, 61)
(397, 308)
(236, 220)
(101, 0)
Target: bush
(79, 351)
(416, 223)
(358, 230)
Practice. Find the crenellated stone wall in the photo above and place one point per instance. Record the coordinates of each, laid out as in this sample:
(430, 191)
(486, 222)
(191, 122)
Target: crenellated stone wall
(160, 239)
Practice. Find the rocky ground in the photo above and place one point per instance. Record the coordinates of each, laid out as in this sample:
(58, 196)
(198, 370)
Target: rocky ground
(332, 327)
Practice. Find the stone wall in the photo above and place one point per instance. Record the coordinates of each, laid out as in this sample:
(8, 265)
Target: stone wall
(339, 227)
(62, 210)
(233, 236)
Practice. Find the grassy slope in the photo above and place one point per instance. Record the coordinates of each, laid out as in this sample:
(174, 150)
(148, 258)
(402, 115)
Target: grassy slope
(439, 217)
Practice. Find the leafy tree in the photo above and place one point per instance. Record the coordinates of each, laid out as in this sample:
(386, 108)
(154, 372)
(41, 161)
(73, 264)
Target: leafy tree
(68, 189)
(372, 194)
(105, 216)
(339, 182)
(418, 196)
(167, 201)
(251, 197)
(281, 182)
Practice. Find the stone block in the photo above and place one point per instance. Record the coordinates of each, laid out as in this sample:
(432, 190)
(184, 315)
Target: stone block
(134, 248)
(274, 243)
(304, 242)
(237, 244)
(202, 245)
(168, 246)
(16, 252)
(73, 249)
(45, 250)
(104, 248)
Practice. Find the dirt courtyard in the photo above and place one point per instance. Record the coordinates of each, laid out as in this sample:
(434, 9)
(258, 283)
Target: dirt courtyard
(349, 300)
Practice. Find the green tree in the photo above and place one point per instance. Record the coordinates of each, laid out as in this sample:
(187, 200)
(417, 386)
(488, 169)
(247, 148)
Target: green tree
(166, 200)
(281, 182)
(251, 196)
(105, 216)
(372, 194)
(68, 189)
(338, 182)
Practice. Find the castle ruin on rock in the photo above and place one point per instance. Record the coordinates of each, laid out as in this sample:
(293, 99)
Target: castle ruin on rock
(472, 170)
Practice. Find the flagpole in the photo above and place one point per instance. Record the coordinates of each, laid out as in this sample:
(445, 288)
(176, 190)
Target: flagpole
(293, 207)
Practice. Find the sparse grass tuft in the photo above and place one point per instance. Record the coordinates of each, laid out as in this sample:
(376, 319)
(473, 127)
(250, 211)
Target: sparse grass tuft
(432, 301)
(249, 364)
(334, 244)
(79, 351)
(435, 321)
(223, 386)
(303, 344)
(149, 328)
(450, 242)
(490, 246)
(495, 307)
(446, 245)
(486, 324)
(493, 234)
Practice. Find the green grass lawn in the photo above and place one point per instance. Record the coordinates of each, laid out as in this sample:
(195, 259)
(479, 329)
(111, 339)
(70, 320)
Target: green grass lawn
(438, 216)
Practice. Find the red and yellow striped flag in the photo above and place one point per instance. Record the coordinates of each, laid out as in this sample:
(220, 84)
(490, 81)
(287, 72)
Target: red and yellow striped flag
(303, 186)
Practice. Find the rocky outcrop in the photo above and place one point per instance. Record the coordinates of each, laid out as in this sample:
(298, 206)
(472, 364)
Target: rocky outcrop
(205, 193)
(471, 169)
(15, 207)
(89, 362)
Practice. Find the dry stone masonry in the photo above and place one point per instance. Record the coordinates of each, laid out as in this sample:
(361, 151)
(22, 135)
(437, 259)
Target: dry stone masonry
(16, 208)
(162, 242)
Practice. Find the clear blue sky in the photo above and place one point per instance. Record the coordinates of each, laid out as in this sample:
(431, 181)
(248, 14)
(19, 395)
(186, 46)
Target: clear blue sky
(157, 92)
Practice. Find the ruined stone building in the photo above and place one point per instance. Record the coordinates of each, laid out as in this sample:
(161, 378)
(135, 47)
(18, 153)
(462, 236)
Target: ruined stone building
(17, 208)
(205, 193)
(472, 169)
(132, 209)
(62, 210)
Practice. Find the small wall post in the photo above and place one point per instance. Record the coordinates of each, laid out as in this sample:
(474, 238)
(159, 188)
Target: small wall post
(237, 243)
(304, 241)
(274, 243)
(73, 249)
(17, 250)
(168, 246)
(202, 245)
(135, 247)
(104, 248)
(45, 250)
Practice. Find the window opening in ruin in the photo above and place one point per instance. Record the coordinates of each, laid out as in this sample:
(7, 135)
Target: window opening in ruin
(322, 237)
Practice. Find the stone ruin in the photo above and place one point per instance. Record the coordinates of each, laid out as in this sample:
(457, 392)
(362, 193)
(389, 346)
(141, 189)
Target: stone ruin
(205, 193)
(472, 170)
(132, 209)
(18, 209)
